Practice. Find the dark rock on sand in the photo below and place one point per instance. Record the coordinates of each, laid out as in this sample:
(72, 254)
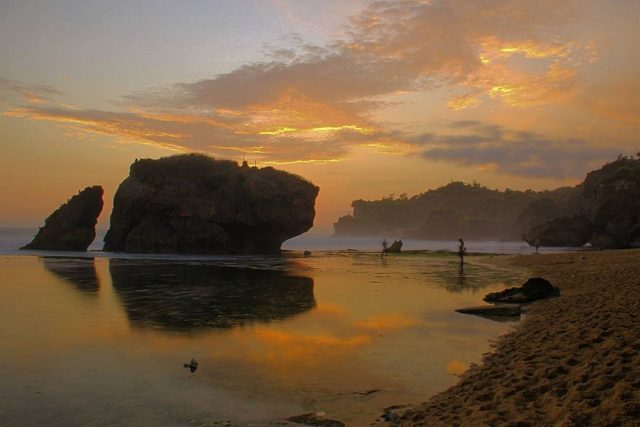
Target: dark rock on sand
(195, 204)
(313, 419)
(72, 227)
(492, 310)
(533, 289)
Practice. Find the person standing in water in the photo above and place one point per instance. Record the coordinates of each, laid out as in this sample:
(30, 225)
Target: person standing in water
(461, 250)
(385, 246)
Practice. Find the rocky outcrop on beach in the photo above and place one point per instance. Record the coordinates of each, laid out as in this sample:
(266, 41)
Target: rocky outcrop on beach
(198, 205)
(606, 213)
(71, 227)
(532, 290)
(567, 230)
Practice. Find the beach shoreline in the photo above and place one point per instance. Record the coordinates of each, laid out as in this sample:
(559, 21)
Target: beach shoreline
(574, 359)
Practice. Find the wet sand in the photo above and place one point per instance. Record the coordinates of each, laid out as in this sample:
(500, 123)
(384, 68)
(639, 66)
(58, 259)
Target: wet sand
(574, 360)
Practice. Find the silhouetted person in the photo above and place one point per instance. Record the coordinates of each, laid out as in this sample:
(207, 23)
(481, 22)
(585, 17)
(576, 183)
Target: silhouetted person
(385, 246)
(536, 243)
(461, 250)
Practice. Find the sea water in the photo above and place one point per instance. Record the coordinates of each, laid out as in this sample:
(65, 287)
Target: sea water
(100, 339)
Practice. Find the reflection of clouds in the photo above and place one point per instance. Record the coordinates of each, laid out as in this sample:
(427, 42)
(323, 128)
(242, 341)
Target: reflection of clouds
(331, 309)
(300, 340)
(386, 322)
(456, 367)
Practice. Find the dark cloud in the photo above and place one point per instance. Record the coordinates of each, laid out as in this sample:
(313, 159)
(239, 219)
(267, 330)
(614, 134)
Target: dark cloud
(515, 152)
(17, 91)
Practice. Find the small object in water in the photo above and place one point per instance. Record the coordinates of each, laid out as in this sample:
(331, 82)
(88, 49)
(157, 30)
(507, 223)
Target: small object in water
(307, 253)
(192, 365)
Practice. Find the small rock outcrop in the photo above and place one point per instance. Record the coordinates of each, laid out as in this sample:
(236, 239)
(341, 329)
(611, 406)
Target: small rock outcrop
(315, 419)
(198, 205)
(395, 247)
(533, 289)
(72, 227)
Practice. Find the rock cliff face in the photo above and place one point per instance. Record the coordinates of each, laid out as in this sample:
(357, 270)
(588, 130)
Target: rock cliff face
(195, 204)
(72, 227)
(606, 214)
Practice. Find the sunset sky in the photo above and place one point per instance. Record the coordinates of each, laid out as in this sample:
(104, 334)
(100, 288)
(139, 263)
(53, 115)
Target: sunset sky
(363, 98)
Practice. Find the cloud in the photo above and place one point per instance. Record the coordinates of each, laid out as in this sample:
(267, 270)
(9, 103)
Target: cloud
(495, 148)
(12, 91)
(314, 103)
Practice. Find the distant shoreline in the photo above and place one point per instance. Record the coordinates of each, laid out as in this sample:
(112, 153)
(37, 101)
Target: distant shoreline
(574, 360)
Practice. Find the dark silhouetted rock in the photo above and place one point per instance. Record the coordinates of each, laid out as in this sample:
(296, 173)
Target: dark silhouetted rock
(533, 289)
(563, 231)
(72, 227)
(492, 310)
(395, 247)
(195, 204)
(315, 419)
(606, 213)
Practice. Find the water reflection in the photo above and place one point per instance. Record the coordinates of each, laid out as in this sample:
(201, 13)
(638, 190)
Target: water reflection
(183, 296)
(472, 278)
(80, 272)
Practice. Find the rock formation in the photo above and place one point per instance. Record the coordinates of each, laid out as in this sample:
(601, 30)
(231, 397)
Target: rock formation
(562, 231)
(395, 247)
(457, 209)
(72, 227)
(195, 204)
(533, 289)
(606, 213)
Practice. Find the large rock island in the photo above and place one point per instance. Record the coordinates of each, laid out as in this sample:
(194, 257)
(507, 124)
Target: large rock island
(71, 227)
(198, 205)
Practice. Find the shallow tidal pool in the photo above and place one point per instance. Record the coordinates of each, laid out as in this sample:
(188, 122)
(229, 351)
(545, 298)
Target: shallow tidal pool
(102, 341)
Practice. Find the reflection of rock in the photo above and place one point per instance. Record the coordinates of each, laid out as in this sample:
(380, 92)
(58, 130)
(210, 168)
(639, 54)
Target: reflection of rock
(195, 204)
(492, 310)
(72, 227)
(533, 289)
(180, 296)
(80, 272)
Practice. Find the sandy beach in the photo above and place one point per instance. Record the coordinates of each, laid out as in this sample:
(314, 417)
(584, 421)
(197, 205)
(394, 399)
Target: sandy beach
(574, 360)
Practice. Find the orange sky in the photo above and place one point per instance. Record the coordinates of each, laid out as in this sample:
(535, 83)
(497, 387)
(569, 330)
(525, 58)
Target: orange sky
(365, 99)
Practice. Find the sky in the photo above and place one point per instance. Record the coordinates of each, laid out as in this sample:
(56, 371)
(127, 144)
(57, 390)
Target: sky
(363, 98)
